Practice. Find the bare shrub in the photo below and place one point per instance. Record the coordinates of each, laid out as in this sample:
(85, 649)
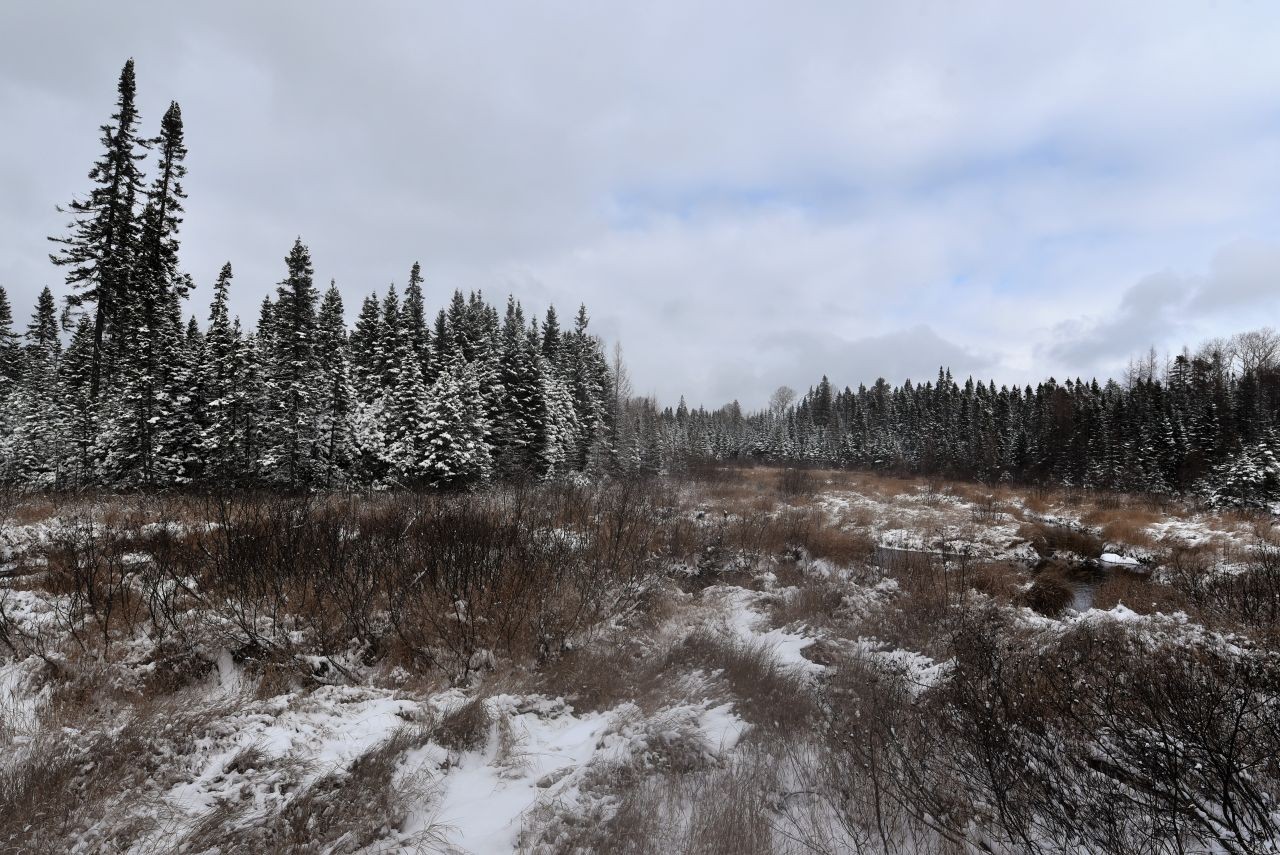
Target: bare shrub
(999, 579)
(987, 509)
(88, 563)
(771, 696)
(1053, 540)
(521, 573)
(796, 483)
(1049, 595)
(1247, 596)
(465, 727)
(1101, 739)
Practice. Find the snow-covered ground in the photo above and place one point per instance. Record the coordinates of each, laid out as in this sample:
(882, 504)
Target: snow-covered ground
(510, 760)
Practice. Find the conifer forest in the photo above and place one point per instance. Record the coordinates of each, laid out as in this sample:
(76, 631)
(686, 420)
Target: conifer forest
(434, 573)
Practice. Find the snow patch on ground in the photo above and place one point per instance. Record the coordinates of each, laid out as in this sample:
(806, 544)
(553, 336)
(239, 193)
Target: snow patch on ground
(934, 522)
(917, 670)
(741, 619)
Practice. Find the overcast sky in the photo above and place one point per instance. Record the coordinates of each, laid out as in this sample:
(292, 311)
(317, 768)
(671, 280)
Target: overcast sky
(744, 193)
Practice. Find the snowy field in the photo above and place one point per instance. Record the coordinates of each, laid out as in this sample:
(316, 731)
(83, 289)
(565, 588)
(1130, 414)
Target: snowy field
(775, 680)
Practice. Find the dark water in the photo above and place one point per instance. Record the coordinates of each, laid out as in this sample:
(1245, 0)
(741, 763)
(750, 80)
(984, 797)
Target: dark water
(1083, 580)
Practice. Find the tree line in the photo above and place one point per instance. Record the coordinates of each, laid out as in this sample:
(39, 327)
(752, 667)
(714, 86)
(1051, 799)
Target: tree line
(118, 389)
(1205, 422)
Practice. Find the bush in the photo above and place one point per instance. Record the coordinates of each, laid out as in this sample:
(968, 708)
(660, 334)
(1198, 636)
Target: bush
(1049, 595)
(797, 483)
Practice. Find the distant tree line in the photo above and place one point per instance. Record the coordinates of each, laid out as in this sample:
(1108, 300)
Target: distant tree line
(1207, 422)
(118, 389)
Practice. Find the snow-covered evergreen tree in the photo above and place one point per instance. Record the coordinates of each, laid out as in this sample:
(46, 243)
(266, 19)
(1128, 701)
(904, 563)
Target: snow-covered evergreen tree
(10, 350)
(37, 445)
(100, 248)
(221, 441)
(454, 430)
(337, 438)
(1249, 479)
(292, 379)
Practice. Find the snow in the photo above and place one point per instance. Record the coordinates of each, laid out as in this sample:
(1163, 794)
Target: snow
(485, 795)
(929, 522)
(1118, 560)
(741, 621)
(919, 671)
(320, 731)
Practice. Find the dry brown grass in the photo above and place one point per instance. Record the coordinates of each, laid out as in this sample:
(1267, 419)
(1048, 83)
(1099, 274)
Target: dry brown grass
(842, 547)
(1049, 595)
(1138, 593)
(600, 676)
(860, 516)
(91, 774)
(1053, 540)
(998, 579)
(1125, 525)
(34, 509)
(814, 602)
(466, 726)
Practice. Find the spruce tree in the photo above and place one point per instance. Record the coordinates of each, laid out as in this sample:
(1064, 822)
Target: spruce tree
(442, 347)
(365, 342)
(336, 431)
(408, 420)
(453, 435)
(551, 339)
(413, 320)
(520, 428)
(392, 344)
(79, 409)
(224, 389)
(10, 350)
(100, 246)
(291, 376)
(37, 444)
(185, 409)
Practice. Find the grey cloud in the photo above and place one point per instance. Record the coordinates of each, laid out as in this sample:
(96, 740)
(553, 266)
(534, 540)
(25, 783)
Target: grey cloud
(1240, 291)
(1243, 274)
(1147, 313)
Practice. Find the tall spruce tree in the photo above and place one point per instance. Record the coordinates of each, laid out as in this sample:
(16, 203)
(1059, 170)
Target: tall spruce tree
(185, 413)
(150, 341)
(408, 420)
(221, 440)
(413, 320)
(336, 429)
(37, 445)
(291, 376)
(101, 244)
(392, 344)
(10, 350)
(366, 339)
(520, 427)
